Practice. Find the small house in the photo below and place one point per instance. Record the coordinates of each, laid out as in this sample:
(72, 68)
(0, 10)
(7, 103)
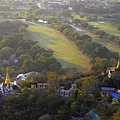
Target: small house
(43, 86)
(26, 75)
(115, 95)
(59, 90)
(40, 21)
(65, 93)
(107, 91)
(78, 118)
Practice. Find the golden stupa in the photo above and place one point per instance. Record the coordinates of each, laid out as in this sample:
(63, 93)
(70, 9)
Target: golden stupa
(118, 66)
(7, 79)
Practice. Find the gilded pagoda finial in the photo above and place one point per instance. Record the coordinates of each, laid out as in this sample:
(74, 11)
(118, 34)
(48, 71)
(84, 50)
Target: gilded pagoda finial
(7, 79)
(118, 65)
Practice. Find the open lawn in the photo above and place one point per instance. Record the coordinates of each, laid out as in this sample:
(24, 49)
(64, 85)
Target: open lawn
(78, 17)
(65, 51)
(110, 46)
(107, 27)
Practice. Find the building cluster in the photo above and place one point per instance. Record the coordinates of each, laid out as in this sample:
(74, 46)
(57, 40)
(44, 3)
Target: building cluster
(6, 86)
(111, 91)
(59, 90)
(5, 90)
(115, 70)
(40, 2)
(56, 5)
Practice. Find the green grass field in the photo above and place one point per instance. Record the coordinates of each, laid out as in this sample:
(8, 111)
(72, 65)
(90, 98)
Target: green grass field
(107, 27)
(78, 17)
(65, 51)
(110, 46)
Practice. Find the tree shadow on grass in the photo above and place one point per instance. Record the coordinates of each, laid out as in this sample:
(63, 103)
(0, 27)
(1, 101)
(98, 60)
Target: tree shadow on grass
(45, 40)
(42, 38)
(66, 64)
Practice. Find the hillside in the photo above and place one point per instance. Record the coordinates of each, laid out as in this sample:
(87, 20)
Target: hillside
(65, 51)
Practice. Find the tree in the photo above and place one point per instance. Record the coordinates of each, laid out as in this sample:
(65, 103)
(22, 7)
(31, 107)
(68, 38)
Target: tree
(6, 52)
(25, 90)
(30, 17)
(31, 65)
(79, 7)
(52, 77)
(116, 115)
(84, 24)
(75, 108)
(45, 117)
(19, 51)
(88, 85)
(95, 17)
(113, 62)
(54, 66)
(92, 61)
(36, 51)
(22, 29)
(102, 63)
(26, 43)
(60, 115)
(1, 37)
(65, 14)
(24, 83)
(22, 58)
(96, 94)
(77, 93)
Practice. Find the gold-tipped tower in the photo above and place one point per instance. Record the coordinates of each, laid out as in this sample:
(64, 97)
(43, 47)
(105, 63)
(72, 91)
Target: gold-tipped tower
(7, 79)
(118, 65)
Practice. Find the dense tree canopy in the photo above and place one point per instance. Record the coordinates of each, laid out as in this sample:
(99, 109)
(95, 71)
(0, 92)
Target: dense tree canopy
(29, 56)
(34, 104)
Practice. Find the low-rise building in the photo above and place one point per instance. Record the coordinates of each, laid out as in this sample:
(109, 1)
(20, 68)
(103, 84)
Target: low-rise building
(43, 86)
(59, 90)
(78, 118)
(65, 93)
(6, 87)
(107, 91)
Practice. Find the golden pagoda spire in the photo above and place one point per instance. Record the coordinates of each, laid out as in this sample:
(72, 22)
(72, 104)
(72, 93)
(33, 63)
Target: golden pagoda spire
(7, 79)
(118, 65)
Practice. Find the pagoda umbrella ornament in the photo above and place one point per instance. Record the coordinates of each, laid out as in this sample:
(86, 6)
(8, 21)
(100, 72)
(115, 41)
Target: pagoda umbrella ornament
(7, 79)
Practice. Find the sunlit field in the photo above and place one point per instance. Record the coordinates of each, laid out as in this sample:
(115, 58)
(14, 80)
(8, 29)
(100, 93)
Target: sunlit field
(78, 17)
(107, 27)
(65, 51)
(110, 46)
